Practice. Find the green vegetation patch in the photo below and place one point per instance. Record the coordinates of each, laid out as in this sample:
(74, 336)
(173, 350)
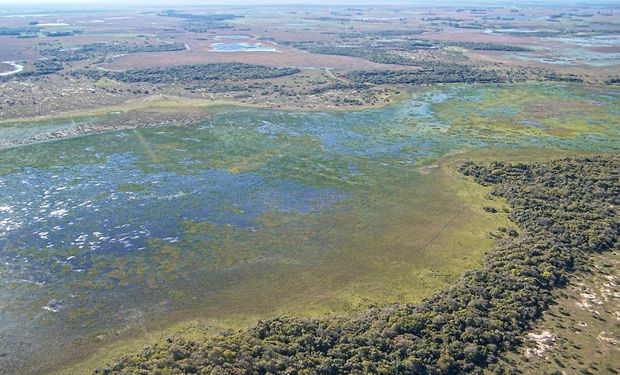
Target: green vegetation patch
(186, 73)
(86, 51)
(538, 110)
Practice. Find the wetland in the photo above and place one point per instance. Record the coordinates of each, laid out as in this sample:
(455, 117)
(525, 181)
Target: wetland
(393, 190)
(108, 235)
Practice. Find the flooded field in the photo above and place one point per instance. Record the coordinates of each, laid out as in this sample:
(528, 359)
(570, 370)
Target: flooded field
(257, 212)
(589, 50)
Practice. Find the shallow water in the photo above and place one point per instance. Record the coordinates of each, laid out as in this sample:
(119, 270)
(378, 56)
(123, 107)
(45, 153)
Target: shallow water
(611, 40)
(574, 51)
(570, 56)
(241, 47)
(102, 232)
(16, 68)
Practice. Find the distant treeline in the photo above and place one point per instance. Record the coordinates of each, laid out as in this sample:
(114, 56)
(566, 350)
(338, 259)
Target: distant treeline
(16, 31)
(483, 46)
(198, 17)
(86, 51)
(386, 33)
(32, 31)
(201, 23)
(386, 52)
(428, 74)
(204, 26)
(614, 81)
(41, 68)
(429, 71)
(62, 33)
(368, 53)
(565, 210)
(188, 73)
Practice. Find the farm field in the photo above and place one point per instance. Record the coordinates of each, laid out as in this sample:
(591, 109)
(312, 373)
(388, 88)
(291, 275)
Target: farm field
(188, 173)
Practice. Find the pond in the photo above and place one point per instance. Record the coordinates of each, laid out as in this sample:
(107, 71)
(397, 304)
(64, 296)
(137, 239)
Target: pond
(241, 47)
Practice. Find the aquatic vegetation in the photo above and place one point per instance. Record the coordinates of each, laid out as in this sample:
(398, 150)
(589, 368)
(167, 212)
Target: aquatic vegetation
(540, 111)
(565, 209)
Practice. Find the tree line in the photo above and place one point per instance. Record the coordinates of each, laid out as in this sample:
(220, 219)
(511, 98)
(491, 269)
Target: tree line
(86, 51)
(187, 73)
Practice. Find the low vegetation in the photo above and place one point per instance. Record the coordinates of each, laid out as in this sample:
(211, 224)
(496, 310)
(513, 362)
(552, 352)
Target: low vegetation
(43, 67)
(431, 70)
(214, 17)
(370, 54)
(565, 210)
